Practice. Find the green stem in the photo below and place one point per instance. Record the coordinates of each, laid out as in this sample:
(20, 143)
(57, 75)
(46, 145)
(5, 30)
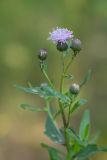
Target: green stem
(43, 69)
(62, 75)
(48, 109)
(61, 83)
(67, 67)
(64, 71)
(45, 74)
(63, 114)
(66, 140)
(69, 115)
(61, 86)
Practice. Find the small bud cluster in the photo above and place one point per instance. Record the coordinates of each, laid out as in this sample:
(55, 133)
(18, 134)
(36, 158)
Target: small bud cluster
(61, 37)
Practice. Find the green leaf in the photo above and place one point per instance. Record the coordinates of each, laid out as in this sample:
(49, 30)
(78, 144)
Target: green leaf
(84, 126)
(31, 108)
(73, 137)
(46, 92)
(102, 149)
(69, 77)
(78, 104)
(95, 138)
(74, 106)
(53, 152)
(75, 143)
(52, 131)
(89, 151)
(86, 78)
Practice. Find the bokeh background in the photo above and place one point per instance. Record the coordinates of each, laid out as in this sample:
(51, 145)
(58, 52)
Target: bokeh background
(24, 28)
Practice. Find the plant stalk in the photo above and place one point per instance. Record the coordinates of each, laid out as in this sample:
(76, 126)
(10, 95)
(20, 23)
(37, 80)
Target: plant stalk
(64, 71)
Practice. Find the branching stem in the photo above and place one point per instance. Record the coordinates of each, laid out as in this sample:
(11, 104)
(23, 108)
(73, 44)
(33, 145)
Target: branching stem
(66, 123)
(45, 74)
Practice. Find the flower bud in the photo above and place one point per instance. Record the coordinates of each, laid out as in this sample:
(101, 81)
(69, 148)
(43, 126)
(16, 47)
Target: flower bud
(76, 45)
(44, 84)
(74, 89)
(42, 55)
(61, 46)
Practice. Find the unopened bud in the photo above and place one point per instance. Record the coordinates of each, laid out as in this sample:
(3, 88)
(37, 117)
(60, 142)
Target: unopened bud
(44, 85)
(42, 55)
(74, 89)
(61, 46)
(76, 45)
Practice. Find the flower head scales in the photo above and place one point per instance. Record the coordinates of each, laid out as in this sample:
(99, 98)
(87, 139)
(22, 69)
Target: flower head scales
(60, 35)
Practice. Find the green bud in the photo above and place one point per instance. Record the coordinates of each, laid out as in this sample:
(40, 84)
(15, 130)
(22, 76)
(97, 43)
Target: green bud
(74, 89)
(61, 46)
(76, 45)
(44, 85)
(42, 55)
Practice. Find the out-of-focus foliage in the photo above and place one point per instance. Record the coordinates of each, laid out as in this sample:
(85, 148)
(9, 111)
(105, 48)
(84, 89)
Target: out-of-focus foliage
(24, 28)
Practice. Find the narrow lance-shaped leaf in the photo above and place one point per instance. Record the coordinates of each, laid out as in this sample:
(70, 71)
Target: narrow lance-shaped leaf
(95, 138)
(86, 78)
(90, 150)
(46, 92)
(52, 131)
(69, 77)
(53, 152)
(85, 126)
(74, 142)
(74, 106)
(73, 137)
(31, 108)
(78, 104)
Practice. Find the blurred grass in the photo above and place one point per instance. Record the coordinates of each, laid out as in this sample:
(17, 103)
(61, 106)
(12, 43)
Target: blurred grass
(24, 28)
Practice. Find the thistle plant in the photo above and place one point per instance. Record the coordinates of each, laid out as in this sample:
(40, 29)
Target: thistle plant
(78, 144)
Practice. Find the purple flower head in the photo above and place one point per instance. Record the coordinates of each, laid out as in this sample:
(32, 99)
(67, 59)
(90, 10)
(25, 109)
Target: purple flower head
(60, 35)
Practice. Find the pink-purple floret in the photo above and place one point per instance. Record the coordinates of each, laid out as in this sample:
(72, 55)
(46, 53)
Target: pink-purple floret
(60, 35)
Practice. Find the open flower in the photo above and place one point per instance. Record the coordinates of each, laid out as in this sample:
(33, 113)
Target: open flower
(60, 35)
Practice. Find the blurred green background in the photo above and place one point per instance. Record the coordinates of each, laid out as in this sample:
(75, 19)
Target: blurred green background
(24, 28)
